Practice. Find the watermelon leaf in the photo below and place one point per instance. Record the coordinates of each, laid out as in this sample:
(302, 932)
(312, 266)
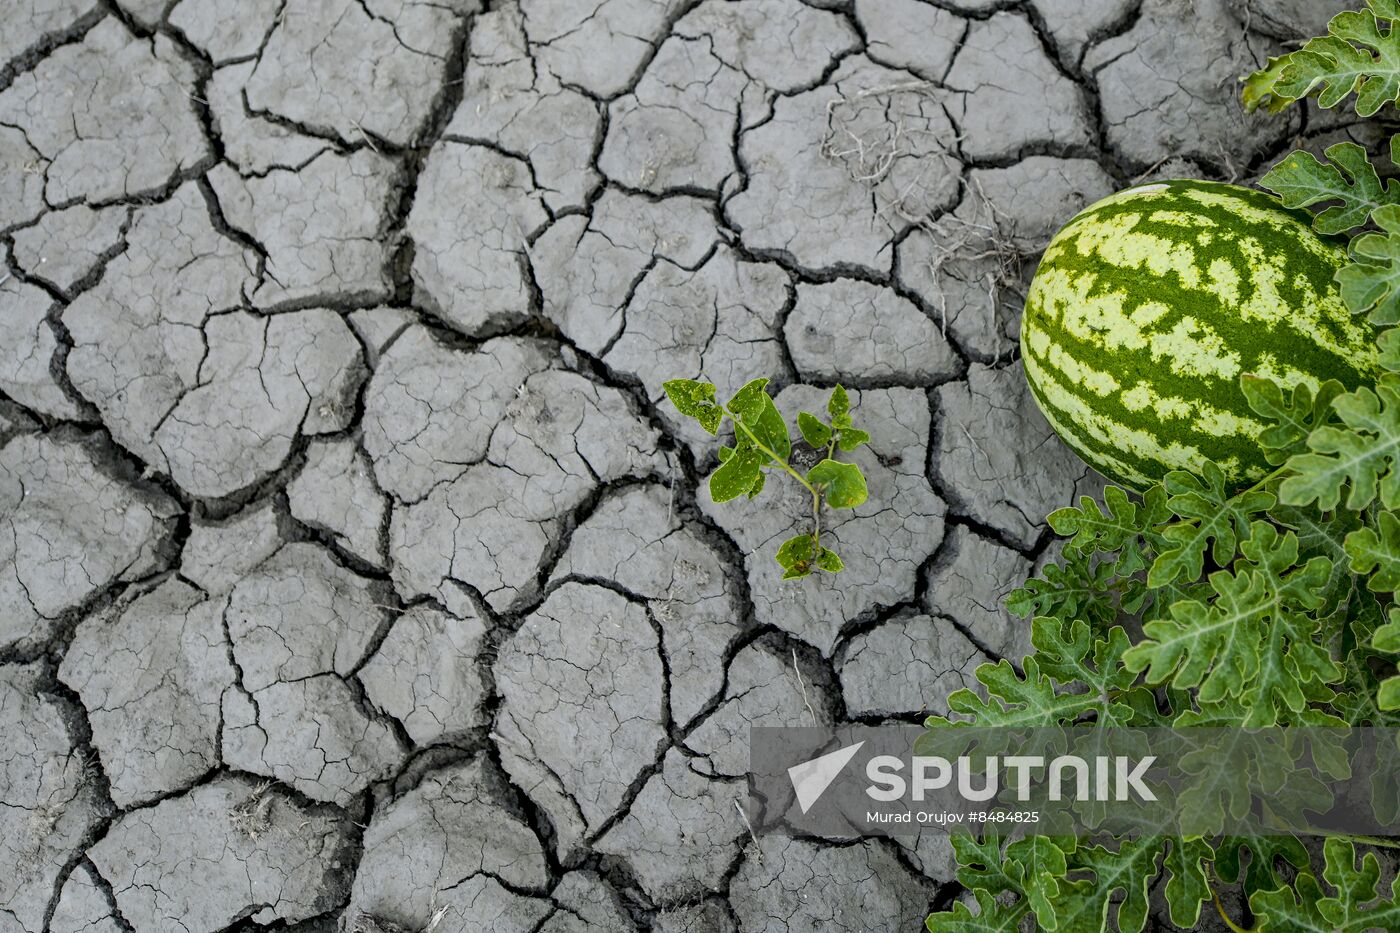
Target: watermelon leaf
(1255, 644)
(1320, 536)
(1371, 281)
(1349, 177)
(1375, 553)
(1049, 690)
(992, 916)
(1253, 640)
(1361, 455)
(1130, 870)
(1187, 885)
(1357, 904)
(1092, 530)
(1037, 864)
(1350, 908)
(1067, 885)
(1212, 517)
(1389, 343)
(1072, 657)
(1266, 855)
(1291, 417)
(1385, 641)
(1292, 908)
(1356, 56)
(1075, 587)
(1026, 698)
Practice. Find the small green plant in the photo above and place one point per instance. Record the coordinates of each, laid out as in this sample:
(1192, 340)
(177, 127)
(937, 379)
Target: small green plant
(762, 443)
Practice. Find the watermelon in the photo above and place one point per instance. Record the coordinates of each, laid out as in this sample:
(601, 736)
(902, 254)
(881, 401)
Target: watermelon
(1150, 304)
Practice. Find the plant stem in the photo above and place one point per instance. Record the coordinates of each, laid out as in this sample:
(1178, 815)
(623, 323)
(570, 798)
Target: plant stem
(1378, 841)
(1264, 481)
(1220, 909)
(816, 493)
(776, 459)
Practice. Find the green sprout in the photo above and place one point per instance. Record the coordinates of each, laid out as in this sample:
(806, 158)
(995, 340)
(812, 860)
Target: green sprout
(762, 443)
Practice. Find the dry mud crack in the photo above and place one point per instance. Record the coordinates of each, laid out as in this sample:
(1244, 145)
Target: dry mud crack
(353, 575)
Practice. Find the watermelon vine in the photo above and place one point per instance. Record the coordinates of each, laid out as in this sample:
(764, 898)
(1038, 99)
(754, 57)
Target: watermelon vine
(1192, 602)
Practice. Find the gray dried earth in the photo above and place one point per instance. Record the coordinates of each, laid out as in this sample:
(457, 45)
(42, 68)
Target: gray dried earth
(357, 575)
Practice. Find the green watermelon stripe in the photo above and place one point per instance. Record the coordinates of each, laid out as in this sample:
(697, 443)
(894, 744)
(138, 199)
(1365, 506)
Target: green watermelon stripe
(1299, 251)
(1104, 441)
(1137, 440)
(1290, 226)
(1149, 305)
(1199, 416)
(1256, 347)
(1125, 467)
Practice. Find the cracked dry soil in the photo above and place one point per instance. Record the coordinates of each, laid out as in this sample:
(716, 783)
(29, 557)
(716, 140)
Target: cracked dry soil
(353, 575)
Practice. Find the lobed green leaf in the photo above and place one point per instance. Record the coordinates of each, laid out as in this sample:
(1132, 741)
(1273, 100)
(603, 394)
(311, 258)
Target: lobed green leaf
(1121, 528)
(1348, 183)
(1267, 855)
(1375, 553)
(992, 916)
(1291, 417)
(1356, 903)
(1213, 518)
(1370, 283)
(1186, 863)
(1385, 641)
(1360, 455)
(1051, 688)
(1254, 642)
(1076, 587)
(1323, 536)
(1389, 343)
(1122, 877)
(1357, 55)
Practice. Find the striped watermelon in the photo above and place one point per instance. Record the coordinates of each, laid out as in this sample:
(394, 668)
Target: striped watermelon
(1149, 305)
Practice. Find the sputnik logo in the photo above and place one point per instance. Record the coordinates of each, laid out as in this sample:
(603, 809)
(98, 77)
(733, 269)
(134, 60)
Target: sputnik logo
(811, 778)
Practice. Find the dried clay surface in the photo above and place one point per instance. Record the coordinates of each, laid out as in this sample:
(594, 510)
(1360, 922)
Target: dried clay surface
(356, 574)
